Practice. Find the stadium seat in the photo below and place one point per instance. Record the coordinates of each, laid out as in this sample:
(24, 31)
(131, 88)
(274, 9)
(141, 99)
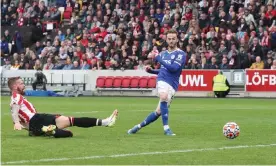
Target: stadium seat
(143, 82)
(100, 82)
(109, 82)
(152, 82)
(117, 82)
(66, 15)
(126, 82)
(69, 9)
(134, 82)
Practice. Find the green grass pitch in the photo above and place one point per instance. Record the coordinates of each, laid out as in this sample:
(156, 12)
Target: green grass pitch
(197, 122)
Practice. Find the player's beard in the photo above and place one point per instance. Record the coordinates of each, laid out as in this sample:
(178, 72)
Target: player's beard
(172, 46)
(20, 91)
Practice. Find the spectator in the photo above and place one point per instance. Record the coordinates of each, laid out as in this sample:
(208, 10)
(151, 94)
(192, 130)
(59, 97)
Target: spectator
(268, 63)
(224, 64)
(265, 42)
(75, 65)
(49, 65)
(115, 65)
(248, 17)
(20, 9)
(38, 48)
(63, 53)
(193, 64)
(4, 46)
(27, 66)
(256, 49)
(84, 41)
(234, 63)
(7, 36)
(21, 66)
(273, 66)
(259, 64)
(69, 35)
(23, 58)
(13, 20)
(6, 21)
(127, 65)
(213, 64)
(84, 65)
(100, 65)
(203, 64)
(98, 53)
(7, 65)
(68, 65)
(94, 65)
(15, 66)
(58, 64)
(37, 64)
(141, 65)
(14, 58)
(61, 35)
(55, 16)
(75, 57)
(4, 8)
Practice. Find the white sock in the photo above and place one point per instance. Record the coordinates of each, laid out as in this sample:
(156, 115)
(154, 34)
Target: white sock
(166, 127)
(139, 126)
(105, 122)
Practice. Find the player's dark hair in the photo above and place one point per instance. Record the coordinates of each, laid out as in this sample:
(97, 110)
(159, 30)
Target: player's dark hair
(11, 81)
(172, 31)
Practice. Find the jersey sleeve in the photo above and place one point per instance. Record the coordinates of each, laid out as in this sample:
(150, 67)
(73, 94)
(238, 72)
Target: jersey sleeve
(180, 58)
(16, 99)
(176, 62)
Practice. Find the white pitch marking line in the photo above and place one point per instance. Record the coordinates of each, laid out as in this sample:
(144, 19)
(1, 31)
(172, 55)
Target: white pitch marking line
(147, 110)
(139, 154)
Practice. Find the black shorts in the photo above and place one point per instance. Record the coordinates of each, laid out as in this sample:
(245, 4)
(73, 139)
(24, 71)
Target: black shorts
(40, 120)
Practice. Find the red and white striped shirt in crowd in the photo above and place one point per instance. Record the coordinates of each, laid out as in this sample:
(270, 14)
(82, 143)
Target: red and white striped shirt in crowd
(26, 110)
(265, 42)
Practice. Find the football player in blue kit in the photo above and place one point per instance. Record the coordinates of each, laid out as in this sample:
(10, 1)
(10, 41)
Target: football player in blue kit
(172, 61)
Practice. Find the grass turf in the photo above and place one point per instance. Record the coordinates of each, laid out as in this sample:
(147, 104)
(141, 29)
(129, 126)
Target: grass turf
(197, 122)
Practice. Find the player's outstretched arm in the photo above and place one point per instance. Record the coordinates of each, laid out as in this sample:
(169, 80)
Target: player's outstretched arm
(152, 71)
(15, 117)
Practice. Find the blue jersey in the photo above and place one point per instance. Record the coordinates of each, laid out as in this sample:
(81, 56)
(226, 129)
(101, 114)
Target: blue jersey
(171, 66)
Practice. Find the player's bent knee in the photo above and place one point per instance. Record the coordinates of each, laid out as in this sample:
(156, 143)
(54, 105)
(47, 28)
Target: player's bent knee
(62, 122)
(158, 111)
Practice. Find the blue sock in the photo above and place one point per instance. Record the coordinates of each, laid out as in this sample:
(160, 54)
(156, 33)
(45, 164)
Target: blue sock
(164, 112)
(149, 119)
